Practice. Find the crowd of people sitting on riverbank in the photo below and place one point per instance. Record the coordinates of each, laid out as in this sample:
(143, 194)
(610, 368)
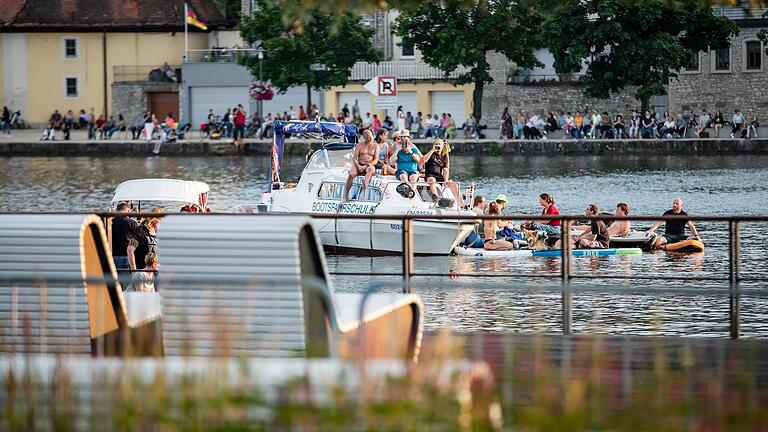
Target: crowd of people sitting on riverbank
(646, 125)
(145, 126)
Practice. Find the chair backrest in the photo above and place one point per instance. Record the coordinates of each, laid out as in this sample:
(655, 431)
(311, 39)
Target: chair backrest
(243, 285)
(44, 260)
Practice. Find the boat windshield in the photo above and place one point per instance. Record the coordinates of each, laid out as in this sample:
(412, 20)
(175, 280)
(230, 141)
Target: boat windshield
(324, 159)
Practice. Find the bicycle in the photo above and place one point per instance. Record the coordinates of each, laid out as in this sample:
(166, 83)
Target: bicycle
(17, 122)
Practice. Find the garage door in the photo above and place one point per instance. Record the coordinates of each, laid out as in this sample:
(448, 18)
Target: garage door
(449, 102)
(294, 97)
(363, 102)
(408, 101)
(216, 98)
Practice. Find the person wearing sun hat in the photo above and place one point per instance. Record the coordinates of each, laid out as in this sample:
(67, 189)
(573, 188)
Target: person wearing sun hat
(501, 200)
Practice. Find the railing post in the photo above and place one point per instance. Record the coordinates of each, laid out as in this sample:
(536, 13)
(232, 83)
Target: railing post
(407, 254)
(734, 252)
(565, 274)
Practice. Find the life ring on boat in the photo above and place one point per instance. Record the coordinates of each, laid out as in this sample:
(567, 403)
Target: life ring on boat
(685, 246)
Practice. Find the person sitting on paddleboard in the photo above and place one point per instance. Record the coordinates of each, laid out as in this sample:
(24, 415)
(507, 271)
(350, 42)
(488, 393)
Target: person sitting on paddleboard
(674, 230)
(620, 228)
(597, 236)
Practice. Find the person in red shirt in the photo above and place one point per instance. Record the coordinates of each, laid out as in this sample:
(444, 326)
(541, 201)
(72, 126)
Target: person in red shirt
(240, 117)
(550, 227)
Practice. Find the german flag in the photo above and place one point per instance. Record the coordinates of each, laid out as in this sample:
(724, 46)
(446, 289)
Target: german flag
(192, 19)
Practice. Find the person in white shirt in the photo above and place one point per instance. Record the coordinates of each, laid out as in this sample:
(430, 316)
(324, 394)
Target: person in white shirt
(431, 126)
(400, 118)
(367, 121)
(531, 129)
(596, 120)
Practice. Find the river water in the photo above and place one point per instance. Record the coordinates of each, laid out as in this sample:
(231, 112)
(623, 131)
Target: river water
(709, 185)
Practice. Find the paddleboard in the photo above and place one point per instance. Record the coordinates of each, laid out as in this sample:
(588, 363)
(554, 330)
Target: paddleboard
(478, 252)
(590, 252)
(482, 253)
(634, 239)
(686, 246)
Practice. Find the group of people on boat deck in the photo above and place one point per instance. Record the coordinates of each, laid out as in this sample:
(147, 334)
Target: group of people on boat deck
(403, 159)
(502, 235)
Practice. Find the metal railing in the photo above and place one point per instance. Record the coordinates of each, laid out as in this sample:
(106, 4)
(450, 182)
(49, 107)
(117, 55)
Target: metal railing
(734, 246)
(219, 55)
(147, 73)
(403, 70)
(734, 276)
(518, 77)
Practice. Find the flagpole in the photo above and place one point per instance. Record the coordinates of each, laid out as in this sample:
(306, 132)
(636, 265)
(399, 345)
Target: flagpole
(186, 34)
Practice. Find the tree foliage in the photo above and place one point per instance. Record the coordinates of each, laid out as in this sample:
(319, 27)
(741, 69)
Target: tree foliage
(631, 43)
(451, 34)
(318, 52)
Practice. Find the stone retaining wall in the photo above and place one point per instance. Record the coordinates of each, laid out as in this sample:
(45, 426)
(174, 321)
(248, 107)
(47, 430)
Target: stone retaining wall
(301, 147)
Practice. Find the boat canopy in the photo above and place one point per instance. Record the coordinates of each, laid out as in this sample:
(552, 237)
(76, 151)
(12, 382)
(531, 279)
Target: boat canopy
(191, 192)
(311, 129)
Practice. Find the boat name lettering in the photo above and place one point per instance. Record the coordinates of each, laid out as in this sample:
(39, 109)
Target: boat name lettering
(419, 212)
(396, 227)
(329, 207)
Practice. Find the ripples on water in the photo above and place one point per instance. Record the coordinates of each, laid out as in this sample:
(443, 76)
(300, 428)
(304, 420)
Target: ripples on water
(710, 185)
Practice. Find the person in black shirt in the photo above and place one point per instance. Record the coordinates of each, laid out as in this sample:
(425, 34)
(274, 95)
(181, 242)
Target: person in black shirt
(144, 241)
(123, 229)
(436, 164)
(674, 230)
(597, 236)
(647, 124)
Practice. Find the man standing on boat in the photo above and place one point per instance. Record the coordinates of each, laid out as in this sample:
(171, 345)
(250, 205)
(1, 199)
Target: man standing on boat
(363, 162)
(674, 230)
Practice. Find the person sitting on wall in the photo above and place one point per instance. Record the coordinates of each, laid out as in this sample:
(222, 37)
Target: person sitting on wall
(169, 74)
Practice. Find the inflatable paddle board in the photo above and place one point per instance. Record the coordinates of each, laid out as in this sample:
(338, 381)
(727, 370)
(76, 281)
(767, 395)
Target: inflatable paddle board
(590, 252)
(635, 239)
(482, 253)
(686, 246)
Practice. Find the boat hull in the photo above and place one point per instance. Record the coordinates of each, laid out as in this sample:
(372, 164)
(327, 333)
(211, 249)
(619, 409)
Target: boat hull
(385, 237)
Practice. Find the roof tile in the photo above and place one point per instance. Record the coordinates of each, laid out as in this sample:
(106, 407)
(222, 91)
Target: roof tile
(99, 15)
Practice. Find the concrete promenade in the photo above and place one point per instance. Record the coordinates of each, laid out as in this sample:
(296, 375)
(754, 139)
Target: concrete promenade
(27, 143)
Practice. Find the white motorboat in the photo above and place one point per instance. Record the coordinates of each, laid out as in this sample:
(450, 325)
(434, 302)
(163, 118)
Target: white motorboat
(192, 194)
(320, 191)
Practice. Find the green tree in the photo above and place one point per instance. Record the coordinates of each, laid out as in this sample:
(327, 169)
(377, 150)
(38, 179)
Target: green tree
(318, 52)
(641, 43)
(451, 34)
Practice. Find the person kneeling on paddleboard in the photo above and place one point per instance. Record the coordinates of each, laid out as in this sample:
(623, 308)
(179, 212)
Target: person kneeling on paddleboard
(674, 230)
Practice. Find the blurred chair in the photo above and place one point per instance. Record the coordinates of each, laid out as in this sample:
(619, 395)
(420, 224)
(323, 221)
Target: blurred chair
(258, 286)
(59, 292)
